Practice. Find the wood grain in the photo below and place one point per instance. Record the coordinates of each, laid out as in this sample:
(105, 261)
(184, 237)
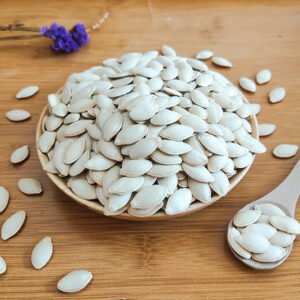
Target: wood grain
(185, 258)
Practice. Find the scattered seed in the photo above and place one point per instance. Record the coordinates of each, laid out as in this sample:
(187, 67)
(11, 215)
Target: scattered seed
(19, 155)
(74, 281)
(277, 95)
(29, 186)
(13, 224)
(27, 92)
(17, 115)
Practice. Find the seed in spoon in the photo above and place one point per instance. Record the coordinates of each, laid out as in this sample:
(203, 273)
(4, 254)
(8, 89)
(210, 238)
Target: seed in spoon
(247, 217)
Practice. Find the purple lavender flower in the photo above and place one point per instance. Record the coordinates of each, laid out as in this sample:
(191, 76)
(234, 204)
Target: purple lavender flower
(79, 34)
(65, 41)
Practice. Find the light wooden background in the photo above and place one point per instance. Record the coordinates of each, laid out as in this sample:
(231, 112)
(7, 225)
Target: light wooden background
(186, 258)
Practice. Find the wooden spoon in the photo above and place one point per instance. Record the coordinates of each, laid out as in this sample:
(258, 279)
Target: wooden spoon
(285, 196)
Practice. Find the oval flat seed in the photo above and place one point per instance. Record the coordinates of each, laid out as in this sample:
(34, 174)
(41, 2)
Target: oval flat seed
(179, 201)
(285, 150)
(109, 178)
(195, 158)
(74, 151)
(79, 166)
(265, 230)
(143, 148)
(247, 84)
(204, 54)
(282, 239)
(46, 141)
(148, 197)
(165, 117)
(251, 143)
(112, 126)
(135, 167)
(42, 253)
(145, 212)
(83, 189)
(60, 110)
(165, 159)
(27, 92)
(58, 157)
(273, 254)
(13, 224)
(212, 144)
(173, 147)
(253, 242)
(131, 134)
(168, 51)
(216, 163)
(221, 62)
(19, 155)
(169, 182)
(220, 184)
(199, 173)
(126, 185)
(99, 163)
(200, 190)
(277, 95)
(29, 186)
(199, 98)
(120, 91)
(101, 196)
(270, 209)
(246, 217)
(143, 111)
(195, 122)
(17, 115)
(4, 198)
(2, 265)
(159, 170)
(233, 235)
(53, 123)
(286, 224)
(243, 161)
(74, 281)
(266, 129)
(110, 150)
(177, 132)
(263, 76)
(236, 150)
(117, 202)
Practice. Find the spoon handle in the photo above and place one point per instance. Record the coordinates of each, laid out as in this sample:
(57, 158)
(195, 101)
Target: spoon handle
(288, 192)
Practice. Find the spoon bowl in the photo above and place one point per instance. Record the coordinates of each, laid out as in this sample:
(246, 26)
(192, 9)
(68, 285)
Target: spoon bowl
(289, 189)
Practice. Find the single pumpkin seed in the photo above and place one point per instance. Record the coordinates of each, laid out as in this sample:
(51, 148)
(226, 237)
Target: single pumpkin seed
(109, 178)
(174, 147)
(266, 129)
(17, 115)
(143, 148)
(112, 126)
(270, 209)
(41, 253)
(117, 202)
(2, 265)
(29, 186)
(253, 242)
(110, 150)
(200, 190)
(233, 235)
(19, 155)
(286, 224)
(99, 163)
(126, 185)
(74, 151)
(79, 166)
(135, 167)
(277, 94)
(246, 217)
(221, 62)
(204, 54)
(263, 76)
(220, 184)
(247, 84)
(83, 189)
(177, 132)
(159, 170)
(131, 134)
(170, 182)
(282, 239)
(285, 150)
(27, 92)
(179, 201)
(165, 159)
(74, 281)
(13, 224)
(4, 198)
(165, 117)
(265, 230)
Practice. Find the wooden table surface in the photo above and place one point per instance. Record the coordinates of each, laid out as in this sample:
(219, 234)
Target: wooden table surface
(185, 258)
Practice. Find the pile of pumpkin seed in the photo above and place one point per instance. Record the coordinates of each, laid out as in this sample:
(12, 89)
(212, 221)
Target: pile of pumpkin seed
(148, 132)
(263, 233)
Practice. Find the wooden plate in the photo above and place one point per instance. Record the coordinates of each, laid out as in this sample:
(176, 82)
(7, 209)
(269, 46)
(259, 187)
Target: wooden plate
(160, 215)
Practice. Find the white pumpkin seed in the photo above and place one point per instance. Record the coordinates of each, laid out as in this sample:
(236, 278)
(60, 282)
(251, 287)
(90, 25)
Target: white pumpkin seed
(253, 242)
(109, 178)
(42, 253)
(17, 115)
(179, 201)
(46, 141)
(247, 84)
(200, 190)
(168, 51)
(177, 132)
(131, 134)
(74, 151)
(110, 150)
(2, 265)
(148, 197)
(266, 129)
(233, 235)
(204, 54)
(263, 76)
(195, 158)
(243, 161)
(282, 239)
(216, 163)
(29, 186)
(165, 159)
(165, 117)
(4, 198)
(99, 163)
(199, 173)
(236, 150)
(145, 212)
(120, 91)
(13, 224)
(195, 122)
(143, 111)
(126, 185)
(221, 62)
(117, 202)
(212, 144)
(246, 217)
(135, 167)
(74, 281)
(285, 150)
(112, 125)
(159, 170)
(273, 254)
(170, 182)
(79, 166)
(83, 189)
(265, 230)
(19, 155)
(286, 224)
(220, 183)
(174, 147)
(27, 92)
(251, 143)
(270, 209)
(199, 98)
(277, 94)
